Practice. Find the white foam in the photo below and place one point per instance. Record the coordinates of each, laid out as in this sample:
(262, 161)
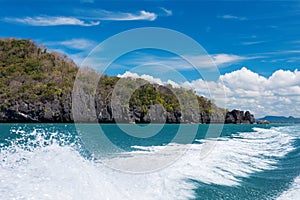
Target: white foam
(234, 158)
(148, 148)
(293, 193)
(56, 171)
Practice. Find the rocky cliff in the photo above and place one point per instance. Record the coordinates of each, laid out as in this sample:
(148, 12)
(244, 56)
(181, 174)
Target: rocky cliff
(239, 117)
(36, 86)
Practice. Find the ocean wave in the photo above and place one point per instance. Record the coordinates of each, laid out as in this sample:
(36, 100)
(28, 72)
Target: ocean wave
(230, 159)
(50, 169)
(293, 192)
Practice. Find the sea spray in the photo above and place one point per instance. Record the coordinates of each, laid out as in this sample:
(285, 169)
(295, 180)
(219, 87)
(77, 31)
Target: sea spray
(41, 165)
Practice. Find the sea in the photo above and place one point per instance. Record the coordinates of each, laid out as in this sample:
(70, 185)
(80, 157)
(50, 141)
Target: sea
(131, 161)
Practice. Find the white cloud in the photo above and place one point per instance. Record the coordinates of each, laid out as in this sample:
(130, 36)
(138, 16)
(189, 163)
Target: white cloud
(204, 61)
(283, 78)
(233, 17)
(80, 44)
(179, 63)
(76, 57)
(87, 18)
(221, 59)
(52, 21)
(146, 77)
(83, 47)
(278, 94)
(252, 42)
(245, 79)
(281, 52)
(166, 11)
(291, 51)
(119, 16)
(142, 15)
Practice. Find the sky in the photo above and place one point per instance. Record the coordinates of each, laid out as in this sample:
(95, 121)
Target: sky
(255, 45)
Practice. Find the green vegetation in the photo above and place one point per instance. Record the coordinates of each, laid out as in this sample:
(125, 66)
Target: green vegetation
(31, 74)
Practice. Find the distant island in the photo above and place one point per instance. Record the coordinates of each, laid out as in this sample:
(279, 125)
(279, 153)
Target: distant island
(36, 86)
(280, 119)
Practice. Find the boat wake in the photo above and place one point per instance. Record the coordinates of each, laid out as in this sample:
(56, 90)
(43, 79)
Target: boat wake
(51, 167)
(292, 193)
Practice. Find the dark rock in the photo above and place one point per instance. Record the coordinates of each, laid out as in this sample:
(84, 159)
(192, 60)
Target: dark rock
(239, 117)
(263, 122)
(217, 118)
(104, 114)
(61, 111)
(204, 118)
(172, 118)
(249, 117)
(156, 114)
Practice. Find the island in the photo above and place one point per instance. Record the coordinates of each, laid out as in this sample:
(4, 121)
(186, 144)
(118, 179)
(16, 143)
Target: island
(36, 86)
(280, 119)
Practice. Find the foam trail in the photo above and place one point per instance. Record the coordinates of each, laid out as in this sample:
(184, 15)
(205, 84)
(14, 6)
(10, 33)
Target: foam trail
(57, 171)
(230, 159)
(292, 193)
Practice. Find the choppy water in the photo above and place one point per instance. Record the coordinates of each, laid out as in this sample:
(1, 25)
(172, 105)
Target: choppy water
(39, 161)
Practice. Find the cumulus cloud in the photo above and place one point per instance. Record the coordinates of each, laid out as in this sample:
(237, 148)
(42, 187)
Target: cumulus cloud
(146, 77)
(52, 21)
(278, 94)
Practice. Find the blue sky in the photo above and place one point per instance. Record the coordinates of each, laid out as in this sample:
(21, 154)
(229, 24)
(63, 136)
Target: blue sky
(259, 39)
(265, 35)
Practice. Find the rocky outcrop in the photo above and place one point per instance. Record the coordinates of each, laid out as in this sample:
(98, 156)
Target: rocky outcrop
(47, 111)
(249, 118)
(263, 122)
(60, 112)
(239, 117)
(212, 118)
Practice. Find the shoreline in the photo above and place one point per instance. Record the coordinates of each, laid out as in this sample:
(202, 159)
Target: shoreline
(110, 123)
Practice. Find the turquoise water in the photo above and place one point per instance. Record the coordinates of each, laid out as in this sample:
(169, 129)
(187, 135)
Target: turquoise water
(61, 161)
